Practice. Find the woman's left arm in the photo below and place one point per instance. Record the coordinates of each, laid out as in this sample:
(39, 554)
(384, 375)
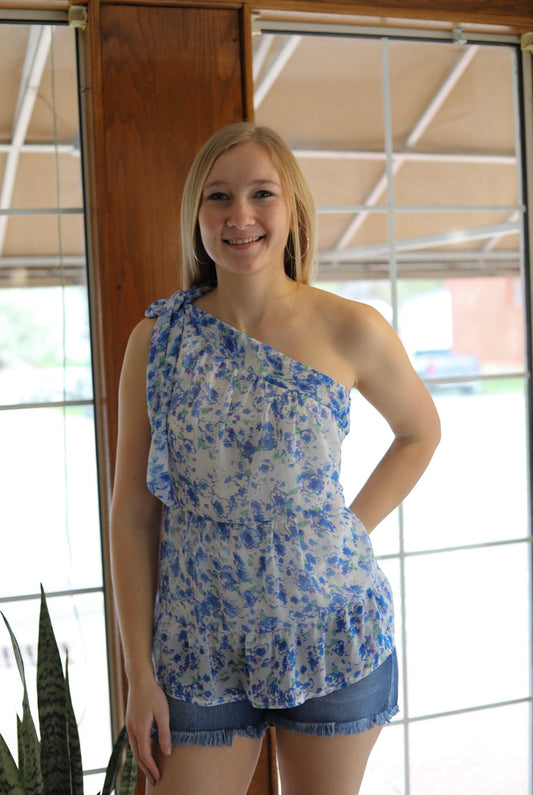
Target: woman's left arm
(386, 378)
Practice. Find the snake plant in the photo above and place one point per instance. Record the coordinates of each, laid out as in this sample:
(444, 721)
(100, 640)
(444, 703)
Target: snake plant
(52, 765)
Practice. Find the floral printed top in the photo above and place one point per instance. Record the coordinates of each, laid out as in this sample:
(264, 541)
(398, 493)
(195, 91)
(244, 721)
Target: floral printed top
(269, 589)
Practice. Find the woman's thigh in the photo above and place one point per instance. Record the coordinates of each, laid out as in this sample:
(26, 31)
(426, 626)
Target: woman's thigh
(324, 743)
(201, 769)
(313, 765)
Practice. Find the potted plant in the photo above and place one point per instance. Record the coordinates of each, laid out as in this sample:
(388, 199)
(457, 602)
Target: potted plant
(52, 765)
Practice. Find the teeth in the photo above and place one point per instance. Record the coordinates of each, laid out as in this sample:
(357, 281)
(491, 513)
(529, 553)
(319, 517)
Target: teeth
(243, 241)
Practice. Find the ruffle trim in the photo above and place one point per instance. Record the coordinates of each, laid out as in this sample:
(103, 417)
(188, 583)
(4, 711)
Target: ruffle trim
(164, 350)
(280, 669)
(273, 366)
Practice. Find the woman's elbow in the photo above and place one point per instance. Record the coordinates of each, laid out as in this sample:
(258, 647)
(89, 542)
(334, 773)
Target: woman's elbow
(433, 431)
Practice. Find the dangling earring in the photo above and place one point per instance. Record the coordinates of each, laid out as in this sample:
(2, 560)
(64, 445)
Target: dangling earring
(302, 253)
(199, 261)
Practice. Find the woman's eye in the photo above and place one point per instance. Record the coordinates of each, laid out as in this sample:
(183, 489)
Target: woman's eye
(263, 194)
(217, 197)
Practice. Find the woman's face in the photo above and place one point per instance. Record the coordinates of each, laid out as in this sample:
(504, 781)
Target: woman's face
(244, 216)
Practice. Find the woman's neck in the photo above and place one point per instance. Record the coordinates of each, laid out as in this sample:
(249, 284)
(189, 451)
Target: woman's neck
(252, 301)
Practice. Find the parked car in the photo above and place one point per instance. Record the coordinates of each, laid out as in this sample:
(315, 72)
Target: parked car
(436, 366)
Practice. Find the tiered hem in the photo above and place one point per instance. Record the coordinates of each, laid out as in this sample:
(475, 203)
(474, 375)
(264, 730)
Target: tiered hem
(279, 669)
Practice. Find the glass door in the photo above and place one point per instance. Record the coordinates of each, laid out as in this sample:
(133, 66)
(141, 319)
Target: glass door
(413, 151)
(49, 511)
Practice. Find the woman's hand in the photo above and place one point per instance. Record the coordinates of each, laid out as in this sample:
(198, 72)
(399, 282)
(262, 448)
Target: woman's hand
(147, 704)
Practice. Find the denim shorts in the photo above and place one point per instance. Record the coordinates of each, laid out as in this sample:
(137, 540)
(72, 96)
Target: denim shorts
(352, 709)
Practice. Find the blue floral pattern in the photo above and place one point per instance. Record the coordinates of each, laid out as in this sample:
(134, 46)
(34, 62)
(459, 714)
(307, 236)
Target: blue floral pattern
(269, 589)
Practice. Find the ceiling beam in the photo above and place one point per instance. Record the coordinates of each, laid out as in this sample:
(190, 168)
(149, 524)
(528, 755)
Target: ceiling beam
(44, 261)
(454, 237)
(426, 269)
(260, 54)
(62, 147)
(275, 68)
(493, 241)
(491, 158)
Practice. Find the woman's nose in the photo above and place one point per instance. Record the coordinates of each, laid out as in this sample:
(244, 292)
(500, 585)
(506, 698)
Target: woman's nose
(240, 214)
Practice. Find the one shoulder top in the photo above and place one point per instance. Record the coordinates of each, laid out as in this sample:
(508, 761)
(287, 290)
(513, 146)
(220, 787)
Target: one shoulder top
(269, 590)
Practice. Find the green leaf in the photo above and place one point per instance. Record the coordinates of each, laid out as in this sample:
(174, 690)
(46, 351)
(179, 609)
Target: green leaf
(52, 709)
(129, 774)
(16, 651)
(113, 766)
(29, 754)
(20, 747)
(74, 746)
(10, 779)
(28, 742)
(31, 771)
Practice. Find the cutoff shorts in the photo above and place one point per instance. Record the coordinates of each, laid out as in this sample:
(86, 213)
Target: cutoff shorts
(350, 710)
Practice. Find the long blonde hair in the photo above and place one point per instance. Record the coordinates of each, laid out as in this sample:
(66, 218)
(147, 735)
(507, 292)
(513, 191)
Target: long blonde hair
(198, 267)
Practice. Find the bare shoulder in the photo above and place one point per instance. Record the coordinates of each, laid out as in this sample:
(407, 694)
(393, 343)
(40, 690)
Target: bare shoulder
(135, 362)
(360, 336)
(138, 347)
(343, 310)
(384, 375)
(352, 324)
(141, 334)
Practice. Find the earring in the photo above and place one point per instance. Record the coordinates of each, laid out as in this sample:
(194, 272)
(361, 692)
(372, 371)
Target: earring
(199, 261)
(302, 253)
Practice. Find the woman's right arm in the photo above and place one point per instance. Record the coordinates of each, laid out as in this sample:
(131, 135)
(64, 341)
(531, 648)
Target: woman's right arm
(135, 531)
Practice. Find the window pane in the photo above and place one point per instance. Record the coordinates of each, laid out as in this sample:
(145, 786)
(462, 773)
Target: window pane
(480, 753)
(311, 69)
(367, 441)
(45, 345)
(42, 174)
(50, 505)
(39, 236)
(93, 783)
(467, 618)
(479, 98)
(476, 489)
(49, 512)
(449, 328)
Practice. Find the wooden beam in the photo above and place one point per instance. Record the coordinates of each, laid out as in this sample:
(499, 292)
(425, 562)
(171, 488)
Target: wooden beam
(517, 15)
(157, 81)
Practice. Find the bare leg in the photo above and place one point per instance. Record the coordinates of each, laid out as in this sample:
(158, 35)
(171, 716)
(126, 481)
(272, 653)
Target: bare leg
(312, 765)
(199, 770)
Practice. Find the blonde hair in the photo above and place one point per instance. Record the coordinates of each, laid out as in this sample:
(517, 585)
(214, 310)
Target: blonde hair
(198, 267)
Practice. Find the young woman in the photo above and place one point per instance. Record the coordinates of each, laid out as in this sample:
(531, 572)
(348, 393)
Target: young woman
(270, 609)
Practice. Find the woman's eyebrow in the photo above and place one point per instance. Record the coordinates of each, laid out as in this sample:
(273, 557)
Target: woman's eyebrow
(219, 183)
(216, 184)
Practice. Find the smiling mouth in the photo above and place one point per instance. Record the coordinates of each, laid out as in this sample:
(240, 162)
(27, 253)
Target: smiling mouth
(243, 241)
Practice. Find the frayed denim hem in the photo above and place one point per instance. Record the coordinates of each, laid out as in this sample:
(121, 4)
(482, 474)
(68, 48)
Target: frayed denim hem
(216, 737)
(333, 728)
